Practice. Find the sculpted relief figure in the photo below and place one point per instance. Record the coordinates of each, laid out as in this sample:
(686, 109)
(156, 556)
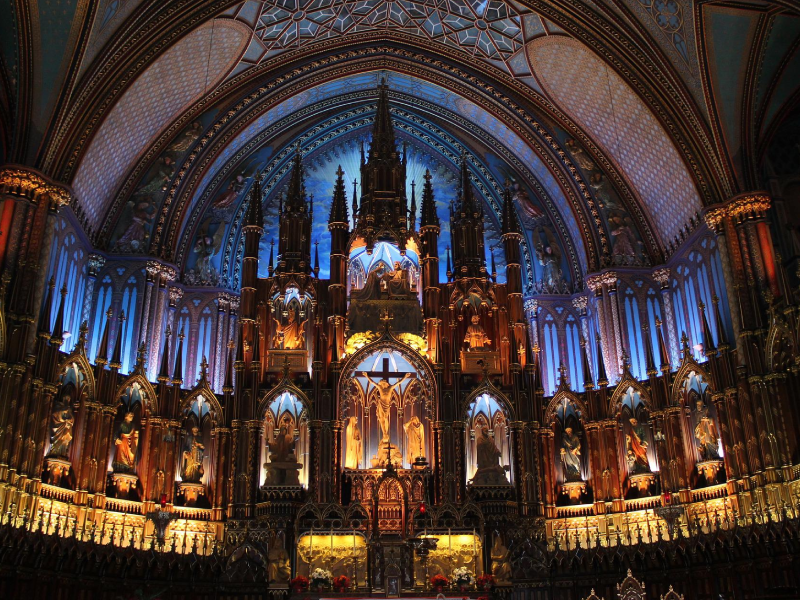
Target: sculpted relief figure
(354, 444)
(397, 283)
(476, 338)
(61, 422)
(126, 443)
(415, 434)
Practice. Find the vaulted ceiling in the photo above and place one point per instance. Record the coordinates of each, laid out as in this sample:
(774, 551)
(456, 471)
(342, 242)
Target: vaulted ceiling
(605, 115)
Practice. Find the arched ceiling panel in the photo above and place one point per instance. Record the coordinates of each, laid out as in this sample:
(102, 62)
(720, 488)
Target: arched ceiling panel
(490, 30)
(177, 78)
(602, 102)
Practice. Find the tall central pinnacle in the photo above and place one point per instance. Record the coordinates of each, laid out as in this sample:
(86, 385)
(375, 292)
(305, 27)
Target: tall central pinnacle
(383, 144)
(384, 204)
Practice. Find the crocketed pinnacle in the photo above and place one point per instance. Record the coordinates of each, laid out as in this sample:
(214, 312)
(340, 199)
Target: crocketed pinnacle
(255, 210)
(467, 206)
(510, 221)
(296, 192)
(339, 203)
(383, 140)
(429, 216)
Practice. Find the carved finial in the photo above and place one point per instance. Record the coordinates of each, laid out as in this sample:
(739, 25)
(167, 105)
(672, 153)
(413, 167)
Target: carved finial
(140, 355)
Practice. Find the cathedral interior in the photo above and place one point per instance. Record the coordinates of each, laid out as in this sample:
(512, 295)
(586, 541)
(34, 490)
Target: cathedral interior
(495, 299)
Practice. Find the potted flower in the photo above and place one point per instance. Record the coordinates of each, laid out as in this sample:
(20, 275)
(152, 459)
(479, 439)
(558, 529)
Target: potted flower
(321, 579)
(341, 583)
(463, 578)
(439, 582)
(485, 582)
(299, 584)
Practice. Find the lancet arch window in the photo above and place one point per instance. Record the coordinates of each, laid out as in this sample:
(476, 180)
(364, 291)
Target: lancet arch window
(128, 331)
(551, 355)
(101, 305)
(285, 451)
(488, 442)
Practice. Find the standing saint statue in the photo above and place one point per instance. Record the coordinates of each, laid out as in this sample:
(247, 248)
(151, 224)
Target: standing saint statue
(571, 455)
(61, 422)
(192, 470)
(352, 459)
(126, 443)
(384, 403)
(289, 335)
(706, 433)
(415, 434)
(476, 338)
(636, 443)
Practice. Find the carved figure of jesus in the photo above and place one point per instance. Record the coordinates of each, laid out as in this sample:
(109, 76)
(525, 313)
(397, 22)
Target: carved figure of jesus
(384, 403)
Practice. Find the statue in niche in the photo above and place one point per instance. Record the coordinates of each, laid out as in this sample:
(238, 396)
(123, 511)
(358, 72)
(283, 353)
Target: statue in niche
(397, 283)
(355, 445)
(415, 435)
(571, 455)
(126, 443)
(636, 446)
(384, 403)
(489, 471)
(279, 569)
(373, 286)
(282, 468)
(192, 468)
(290, 335)
(705, 431)
(501, 567)
(476, 338)
(61, 422)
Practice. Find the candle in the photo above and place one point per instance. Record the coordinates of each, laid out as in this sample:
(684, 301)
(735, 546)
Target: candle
(331, 542)
(311, 551)
(474, 543)
(449, 540)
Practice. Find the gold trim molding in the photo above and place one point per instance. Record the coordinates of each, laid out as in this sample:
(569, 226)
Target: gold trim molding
(28, 185)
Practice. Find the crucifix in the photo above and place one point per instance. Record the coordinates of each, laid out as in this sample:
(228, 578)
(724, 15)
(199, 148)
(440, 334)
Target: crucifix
(385, 390)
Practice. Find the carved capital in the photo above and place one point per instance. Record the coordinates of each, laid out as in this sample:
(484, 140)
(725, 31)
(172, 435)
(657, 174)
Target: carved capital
(661, 276)
(580, 303)
(94, 264)
(532, 306)
(175, 294)
(28, 185)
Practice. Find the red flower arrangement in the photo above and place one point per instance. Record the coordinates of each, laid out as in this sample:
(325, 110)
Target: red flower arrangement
(485, 581)
(341, 583)
(483, 597)
(439, 581)
(299, 584)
